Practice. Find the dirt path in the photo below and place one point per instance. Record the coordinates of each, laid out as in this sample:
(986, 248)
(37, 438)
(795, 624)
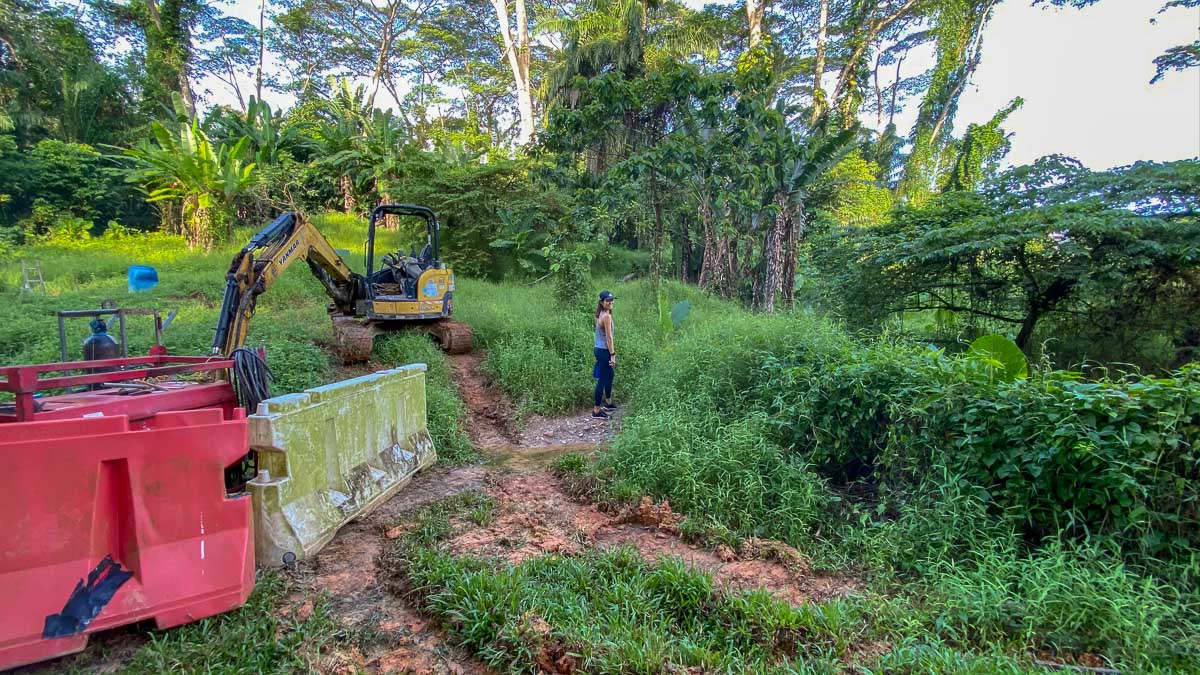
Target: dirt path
(490, 423)
(534, 516)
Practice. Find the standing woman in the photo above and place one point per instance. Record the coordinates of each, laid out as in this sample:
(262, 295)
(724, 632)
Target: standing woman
(606, 357)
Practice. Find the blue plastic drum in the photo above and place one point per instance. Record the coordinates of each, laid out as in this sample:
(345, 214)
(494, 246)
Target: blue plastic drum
(142, 278)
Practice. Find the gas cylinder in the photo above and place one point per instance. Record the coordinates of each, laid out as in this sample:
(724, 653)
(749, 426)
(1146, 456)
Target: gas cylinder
(100, 345)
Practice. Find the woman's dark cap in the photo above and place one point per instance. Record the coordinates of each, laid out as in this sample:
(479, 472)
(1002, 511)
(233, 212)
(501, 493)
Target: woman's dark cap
(607, 295)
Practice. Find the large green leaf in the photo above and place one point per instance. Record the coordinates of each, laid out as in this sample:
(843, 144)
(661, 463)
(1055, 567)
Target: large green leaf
(1001, 356)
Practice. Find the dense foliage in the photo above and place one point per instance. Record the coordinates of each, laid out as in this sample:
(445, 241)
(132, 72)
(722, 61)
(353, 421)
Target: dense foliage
(911, 464)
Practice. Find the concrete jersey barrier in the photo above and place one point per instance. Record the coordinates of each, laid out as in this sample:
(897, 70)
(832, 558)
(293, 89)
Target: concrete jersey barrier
(332, 454)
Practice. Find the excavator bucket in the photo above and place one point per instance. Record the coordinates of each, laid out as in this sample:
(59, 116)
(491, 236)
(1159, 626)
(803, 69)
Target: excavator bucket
(332, 454)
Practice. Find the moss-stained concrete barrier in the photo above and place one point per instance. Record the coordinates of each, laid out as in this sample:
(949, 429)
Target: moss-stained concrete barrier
(331, 454)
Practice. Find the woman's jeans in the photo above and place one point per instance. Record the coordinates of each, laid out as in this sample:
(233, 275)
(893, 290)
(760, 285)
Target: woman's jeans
(604, 376)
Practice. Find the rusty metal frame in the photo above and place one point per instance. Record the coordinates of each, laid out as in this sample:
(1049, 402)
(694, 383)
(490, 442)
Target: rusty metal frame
(25, 381)
(121, 313)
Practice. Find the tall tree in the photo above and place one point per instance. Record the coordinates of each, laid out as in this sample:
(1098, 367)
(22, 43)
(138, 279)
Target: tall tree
(516, 48)
(958, 26)
(355, 38)
(168, 49)
(867, 24)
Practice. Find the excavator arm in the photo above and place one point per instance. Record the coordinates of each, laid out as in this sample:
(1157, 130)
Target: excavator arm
(261, 261)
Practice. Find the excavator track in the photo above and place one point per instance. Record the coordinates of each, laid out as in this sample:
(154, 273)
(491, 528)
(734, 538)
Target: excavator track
(454, 337)
(353, 338)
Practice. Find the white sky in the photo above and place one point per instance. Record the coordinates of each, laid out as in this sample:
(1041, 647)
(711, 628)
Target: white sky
(1084, 75)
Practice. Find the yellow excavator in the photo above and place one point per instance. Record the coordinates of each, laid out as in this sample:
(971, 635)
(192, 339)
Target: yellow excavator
(413, 290)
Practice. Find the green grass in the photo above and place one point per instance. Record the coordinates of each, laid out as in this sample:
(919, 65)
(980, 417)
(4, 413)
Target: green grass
(540, 353)
(704, 431)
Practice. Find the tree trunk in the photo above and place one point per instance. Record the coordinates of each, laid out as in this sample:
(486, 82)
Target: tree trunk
(754, 16)
(199, 224)
(795, 234)
(772, 282)
(169, 216)
(348, 194)
(685, 251)
(167, 54)
(1027, 327)
(390, 221)
(788, 275)
(262, 14)
(819, 67)
(656, 250)
(517, 49)
(709, 264)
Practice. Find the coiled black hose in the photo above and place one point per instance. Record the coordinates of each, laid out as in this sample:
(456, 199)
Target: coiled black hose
(251, 379)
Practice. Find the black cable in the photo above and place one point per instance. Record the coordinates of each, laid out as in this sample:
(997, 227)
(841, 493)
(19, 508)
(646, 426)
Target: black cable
(251, 379)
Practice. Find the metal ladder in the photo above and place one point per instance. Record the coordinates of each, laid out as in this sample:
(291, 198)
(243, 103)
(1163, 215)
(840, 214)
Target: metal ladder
(31, 277)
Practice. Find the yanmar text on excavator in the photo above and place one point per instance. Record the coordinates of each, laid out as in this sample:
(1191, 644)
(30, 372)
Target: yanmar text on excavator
(415, 290)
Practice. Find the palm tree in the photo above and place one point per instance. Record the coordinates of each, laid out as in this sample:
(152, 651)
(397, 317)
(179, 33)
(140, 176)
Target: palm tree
(794, 164)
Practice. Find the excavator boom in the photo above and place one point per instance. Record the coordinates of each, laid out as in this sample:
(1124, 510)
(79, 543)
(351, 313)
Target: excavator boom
(264, 258)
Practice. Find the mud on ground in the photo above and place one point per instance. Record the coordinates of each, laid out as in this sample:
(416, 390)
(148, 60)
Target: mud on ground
(534, 515)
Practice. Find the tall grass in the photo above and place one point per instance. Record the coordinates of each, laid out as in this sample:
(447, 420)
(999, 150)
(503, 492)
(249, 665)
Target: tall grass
(713, 428)
(541, 354)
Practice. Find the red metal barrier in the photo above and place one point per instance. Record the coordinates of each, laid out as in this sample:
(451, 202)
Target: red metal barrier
(75, 493)
(121, 397)
(112, 501)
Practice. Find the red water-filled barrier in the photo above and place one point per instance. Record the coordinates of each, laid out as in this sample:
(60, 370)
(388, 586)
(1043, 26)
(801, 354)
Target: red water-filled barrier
(108, 519)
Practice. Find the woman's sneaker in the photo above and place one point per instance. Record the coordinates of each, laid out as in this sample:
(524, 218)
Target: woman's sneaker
(600, 415)
(609, 406)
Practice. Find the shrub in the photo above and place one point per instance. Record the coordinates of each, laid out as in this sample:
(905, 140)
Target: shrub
(1112, 457)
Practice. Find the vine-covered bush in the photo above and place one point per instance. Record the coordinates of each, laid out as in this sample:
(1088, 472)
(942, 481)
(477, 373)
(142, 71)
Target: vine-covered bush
(1055, 451)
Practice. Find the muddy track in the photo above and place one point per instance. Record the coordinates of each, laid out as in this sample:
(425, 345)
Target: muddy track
(389, 635)
(491, 423)
(534, 516)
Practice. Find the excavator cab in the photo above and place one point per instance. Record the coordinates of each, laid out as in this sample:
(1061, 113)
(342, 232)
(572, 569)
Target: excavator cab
(418, 278)
(408, 289)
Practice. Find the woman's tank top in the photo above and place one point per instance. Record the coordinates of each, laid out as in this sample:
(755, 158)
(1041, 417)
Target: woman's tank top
(601, 341)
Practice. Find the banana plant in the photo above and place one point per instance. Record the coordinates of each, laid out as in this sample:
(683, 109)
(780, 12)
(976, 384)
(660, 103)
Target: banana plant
(183, 165)
(344, 116)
